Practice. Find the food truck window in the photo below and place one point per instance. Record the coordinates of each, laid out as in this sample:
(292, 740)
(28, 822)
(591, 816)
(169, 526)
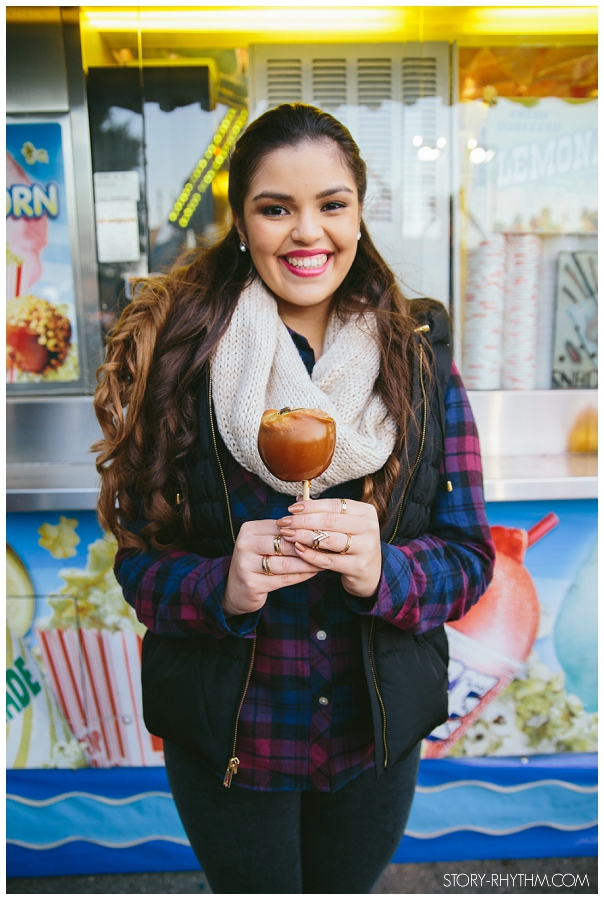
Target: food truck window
(528, 216)
(160, 136)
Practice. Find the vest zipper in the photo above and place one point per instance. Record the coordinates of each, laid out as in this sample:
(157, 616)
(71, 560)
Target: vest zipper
(421, 445)
(377, 690)
(233, 764)
(224, 484)
(398, 519)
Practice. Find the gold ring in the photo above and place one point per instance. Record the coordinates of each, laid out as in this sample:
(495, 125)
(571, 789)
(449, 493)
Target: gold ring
(343, 502)
(266, 566)
(277, 545)
(321, 535)
(348, 543)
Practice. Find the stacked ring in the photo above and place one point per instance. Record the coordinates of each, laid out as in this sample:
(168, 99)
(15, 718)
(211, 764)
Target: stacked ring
(277, 545)
(266, 566)
(321, 535)
(348, 543)
(343, 502)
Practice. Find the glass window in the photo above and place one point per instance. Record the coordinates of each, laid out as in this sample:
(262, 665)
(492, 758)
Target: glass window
(528, 216)
(161, 130)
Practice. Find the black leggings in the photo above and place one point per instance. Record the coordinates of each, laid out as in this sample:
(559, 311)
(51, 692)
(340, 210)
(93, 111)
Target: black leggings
(291, 842)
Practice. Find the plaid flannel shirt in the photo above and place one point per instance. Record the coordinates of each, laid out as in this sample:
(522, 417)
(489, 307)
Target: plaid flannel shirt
(306, 720)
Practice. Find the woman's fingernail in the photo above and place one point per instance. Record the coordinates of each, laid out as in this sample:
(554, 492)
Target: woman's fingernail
(287, 532)
(296, 508)
(286, 520)
(300, 546)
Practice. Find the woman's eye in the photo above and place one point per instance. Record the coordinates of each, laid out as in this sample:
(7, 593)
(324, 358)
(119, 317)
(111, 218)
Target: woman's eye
(333, 204)
(274, 211)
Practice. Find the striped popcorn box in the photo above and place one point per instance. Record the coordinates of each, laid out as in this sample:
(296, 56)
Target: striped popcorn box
(37, 733)
(14, 274)
(95, 674)
(520, 315)
(483, 315)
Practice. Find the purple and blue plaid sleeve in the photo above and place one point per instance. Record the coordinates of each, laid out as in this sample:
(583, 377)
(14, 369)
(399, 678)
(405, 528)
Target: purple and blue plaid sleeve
(437, 577)
(178, 593)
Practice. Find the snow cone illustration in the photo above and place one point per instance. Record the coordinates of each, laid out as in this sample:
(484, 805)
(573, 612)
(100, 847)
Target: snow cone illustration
(490, 646)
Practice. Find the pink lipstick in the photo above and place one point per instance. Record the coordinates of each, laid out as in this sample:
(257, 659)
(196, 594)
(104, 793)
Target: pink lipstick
(307, 263)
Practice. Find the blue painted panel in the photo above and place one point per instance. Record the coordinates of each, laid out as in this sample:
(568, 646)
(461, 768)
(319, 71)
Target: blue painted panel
(83, 858)
(535, 843)
(444, 797)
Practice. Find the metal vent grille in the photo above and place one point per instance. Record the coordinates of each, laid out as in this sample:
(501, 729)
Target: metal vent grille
(329, 83)
(420, 117)
(374, 93)
(419, 78)
(283, 81)
(374, 81)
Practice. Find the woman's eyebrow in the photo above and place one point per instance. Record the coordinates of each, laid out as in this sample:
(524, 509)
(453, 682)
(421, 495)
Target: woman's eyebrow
(274, 195)
(271, 195)
(334, 190)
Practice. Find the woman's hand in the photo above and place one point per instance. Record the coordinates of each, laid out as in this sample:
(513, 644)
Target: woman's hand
(248, 585)
(353, 540)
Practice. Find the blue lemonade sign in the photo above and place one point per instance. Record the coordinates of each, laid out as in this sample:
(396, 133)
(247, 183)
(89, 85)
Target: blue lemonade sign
(42, 340)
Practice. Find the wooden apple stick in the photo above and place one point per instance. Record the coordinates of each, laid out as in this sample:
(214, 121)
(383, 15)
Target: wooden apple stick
(306, 490)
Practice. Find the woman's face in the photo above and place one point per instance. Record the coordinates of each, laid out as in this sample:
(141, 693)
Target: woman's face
(301, 218)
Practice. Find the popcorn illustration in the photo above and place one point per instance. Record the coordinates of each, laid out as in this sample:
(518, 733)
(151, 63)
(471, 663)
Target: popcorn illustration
(37, 734)
(91, 647)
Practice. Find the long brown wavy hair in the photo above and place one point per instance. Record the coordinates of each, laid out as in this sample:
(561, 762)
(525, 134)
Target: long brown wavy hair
(147, 396)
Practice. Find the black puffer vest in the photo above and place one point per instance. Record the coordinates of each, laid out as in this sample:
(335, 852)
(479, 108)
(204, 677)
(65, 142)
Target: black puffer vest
(193, 689)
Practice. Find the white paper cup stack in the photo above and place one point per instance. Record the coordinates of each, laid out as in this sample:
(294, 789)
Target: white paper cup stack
(483, 315)
(520, 318)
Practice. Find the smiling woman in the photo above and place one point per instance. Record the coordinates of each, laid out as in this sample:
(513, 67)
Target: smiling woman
(301, 221)
(298, 645)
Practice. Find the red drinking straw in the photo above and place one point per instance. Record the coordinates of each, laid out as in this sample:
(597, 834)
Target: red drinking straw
(542, 528)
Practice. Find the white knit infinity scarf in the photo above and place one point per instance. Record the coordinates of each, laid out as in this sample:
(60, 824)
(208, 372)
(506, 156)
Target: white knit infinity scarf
(257, 367)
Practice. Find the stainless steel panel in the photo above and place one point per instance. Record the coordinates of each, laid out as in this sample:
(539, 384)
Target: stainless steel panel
(527, 423)
(49, 501)
(565, 477)
(87, 287)
(36, 75)
(53, 430)
(52, 477)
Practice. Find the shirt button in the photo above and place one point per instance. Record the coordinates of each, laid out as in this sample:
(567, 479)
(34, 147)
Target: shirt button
(321, 635)
(323, 701)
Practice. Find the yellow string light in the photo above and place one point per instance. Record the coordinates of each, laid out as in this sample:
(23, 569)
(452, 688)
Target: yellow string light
(216, 165)
(202, 165)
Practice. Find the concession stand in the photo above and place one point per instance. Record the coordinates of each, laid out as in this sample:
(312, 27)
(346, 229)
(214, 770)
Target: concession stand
(479, 129)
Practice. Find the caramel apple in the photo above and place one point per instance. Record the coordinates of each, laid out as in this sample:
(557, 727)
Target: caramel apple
(296, 444)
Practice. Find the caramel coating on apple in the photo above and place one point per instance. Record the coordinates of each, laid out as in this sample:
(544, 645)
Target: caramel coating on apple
(296, 444)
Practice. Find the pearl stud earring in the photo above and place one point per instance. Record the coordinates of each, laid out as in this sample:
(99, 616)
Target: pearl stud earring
(242, 247)
(359, 236)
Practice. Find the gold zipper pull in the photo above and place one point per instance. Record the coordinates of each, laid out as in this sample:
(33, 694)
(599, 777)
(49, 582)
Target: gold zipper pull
(422, 328)
(449, 486)
(232, 769)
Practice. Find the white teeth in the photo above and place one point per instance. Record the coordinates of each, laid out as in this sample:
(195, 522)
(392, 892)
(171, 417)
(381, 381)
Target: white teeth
(307, 262)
